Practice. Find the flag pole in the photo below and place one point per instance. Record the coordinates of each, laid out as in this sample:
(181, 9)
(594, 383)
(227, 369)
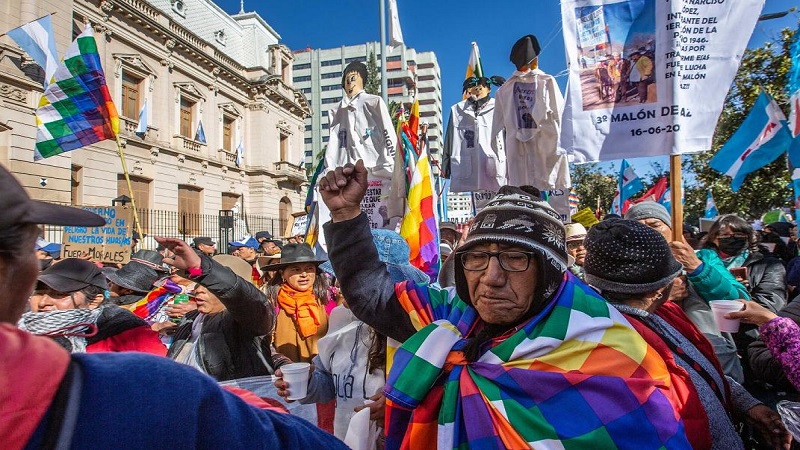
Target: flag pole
(136, 223)
(30, 21)
(675, 192)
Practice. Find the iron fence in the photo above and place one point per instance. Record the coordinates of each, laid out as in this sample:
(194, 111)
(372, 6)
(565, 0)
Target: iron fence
(186, 226)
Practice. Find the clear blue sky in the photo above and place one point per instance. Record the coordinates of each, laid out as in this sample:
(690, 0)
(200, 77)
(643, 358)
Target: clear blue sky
(447, 28)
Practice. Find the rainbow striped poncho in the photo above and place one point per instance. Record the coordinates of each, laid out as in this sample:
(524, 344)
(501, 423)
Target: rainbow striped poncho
(575, 376)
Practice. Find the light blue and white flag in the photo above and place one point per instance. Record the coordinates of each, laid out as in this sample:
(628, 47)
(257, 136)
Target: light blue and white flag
(762, 138)
(38, 41)
(200, 135)
(240, 153)
(629, 185)
(666, 200)
(141, 128)
(711, 207)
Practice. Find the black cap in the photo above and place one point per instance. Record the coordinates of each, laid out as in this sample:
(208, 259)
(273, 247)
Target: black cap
(263, 235)
(525, 50)
(18, 208)
(73, 274)
(205, 240)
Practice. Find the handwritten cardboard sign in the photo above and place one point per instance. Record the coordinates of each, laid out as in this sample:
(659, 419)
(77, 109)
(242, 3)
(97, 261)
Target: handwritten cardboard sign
(297, 225)
(110, 243)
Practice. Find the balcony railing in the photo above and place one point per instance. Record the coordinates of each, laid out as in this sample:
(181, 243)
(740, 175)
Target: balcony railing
(290, 172)
(186, 144)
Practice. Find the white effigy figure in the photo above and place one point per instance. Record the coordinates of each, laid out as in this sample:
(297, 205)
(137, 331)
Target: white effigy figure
(528, 109)
(470, 159)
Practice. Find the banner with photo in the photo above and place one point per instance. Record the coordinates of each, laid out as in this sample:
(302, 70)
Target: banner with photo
(649, 77)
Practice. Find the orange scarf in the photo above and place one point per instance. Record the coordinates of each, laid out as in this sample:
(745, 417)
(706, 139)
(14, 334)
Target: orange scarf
(302, 307)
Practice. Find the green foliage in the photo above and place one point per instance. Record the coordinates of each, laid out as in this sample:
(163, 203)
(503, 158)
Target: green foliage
(591, 183)
(373, 82)
(394, 109)
(765, 68)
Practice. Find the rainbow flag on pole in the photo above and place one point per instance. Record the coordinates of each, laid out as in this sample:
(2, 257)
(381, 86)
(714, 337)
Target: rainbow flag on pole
(76, 108)
(474, 66)
(420, 225)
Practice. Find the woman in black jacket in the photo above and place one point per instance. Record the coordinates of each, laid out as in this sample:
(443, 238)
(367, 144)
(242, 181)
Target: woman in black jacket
(235, 318)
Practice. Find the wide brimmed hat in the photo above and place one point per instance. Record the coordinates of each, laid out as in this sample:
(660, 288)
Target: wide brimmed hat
(73, 274)
(239, 266)
(296, 254)
(150, 258)
(269, 261)
(575, 232)
(134, 276)
(395, 252)
(18, 208)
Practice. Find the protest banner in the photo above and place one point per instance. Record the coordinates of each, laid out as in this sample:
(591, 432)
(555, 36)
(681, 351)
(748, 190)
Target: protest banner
(108, 244)
(647, 77)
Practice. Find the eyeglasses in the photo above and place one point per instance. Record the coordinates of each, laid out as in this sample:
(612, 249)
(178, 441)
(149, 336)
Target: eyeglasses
(510, 260)
(574, 245)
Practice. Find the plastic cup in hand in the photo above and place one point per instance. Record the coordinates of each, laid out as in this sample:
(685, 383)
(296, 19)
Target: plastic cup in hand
(722, 307)
(296, 377)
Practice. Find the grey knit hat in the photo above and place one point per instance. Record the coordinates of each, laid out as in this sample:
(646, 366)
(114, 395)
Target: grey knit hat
(519, 217)
(649, 210)
(627, 257)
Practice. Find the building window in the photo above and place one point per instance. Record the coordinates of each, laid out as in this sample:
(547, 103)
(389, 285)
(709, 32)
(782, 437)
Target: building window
(325, 113)
(229, 201)
(326, 76)
(305, 90)
(332, 87)
(357, 58)
(301, 79)
(221, 37)
(186, 118)
(76, 178)
(284, 213)
(130, 96)
(393, 58)
(308, 127)
(227, 133)
(179, 7)
(189, 209)
(396, 82)
(302, 66)
(307, 140)
(331, 100)
(325, 126)
(284, 147)
(325, 138)
(141, 195)
(333, 62)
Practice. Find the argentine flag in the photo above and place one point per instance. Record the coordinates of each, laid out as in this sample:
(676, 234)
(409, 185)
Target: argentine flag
(711, 207)
(141, 128)
(200, 135)
(38, 41)
(762, 138)
(240, 153)
(629, 185)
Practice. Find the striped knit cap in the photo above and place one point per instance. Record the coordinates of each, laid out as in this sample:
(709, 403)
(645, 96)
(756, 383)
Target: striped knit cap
(518, 216)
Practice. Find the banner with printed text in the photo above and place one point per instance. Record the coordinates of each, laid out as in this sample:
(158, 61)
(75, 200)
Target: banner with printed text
(649, 77)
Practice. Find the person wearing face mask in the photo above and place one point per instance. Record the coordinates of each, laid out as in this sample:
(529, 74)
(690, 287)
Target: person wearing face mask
(764, 276)
(468, 159)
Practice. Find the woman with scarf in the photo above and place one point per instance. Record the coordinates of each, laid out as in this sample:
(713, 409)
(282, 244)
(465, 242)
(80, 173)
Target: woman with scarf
(69, 305)
(519, 354)
(299, 292)
(633, 267)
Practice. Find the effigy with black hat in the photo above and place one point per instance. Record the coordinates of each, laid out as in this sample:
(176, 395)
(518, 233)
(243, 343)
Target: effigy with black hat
(469, 159)
(529, 106)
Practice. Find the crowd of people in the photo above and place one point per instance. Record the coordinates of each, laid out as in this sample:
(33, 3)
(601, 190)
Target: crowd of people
(536, 333)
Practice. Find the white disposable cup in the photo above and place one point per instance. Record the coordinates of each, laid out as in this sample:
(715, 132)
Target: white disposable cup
(722, 307)
(296, 377)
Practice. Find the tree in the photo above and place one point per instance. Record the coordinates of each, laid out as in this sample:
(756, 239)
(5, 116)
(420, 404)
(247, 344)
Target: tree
(591, 183)
(768, 188)
(373, 82)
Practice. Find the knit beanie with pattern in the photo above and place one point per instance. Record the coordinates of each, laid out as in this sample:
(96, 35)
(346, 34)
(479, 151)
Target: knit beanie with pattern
(627, 257)
(519, 217)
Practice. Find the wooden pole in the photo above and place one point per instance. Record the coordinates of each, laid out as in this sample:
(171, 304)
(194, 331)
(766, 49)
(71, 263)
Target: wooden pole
(676, 189)
(136, 223)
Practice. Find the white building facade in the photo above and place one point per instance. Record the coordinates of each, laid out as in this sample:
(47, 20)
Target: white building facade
(191, 64)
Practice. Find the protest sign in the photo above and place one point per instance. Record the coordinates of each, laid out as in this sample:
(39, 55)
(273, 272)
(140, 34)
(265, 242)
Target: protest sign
(649, 77)
(559, 200)
(297, 225)
(585, 217)
(480, 199)
(109, 244)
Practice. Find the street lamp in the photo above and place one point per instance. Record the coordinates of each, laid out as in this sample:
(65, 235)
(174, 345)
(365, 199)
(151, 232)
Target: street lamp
(122, 200)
